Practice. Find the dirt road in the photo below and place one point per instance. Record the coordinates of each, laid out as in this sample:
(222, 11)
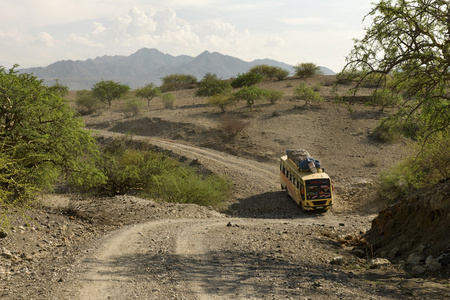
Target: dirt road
(284, 254)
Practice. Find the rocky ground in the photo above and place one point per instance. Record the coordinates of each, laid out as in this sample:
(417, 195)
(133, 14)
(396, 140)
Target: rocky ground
(259, 245)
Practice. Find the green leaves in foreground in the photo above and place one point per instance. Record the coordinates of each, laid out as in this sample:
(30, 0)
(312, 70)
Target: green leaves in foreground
(42, 140)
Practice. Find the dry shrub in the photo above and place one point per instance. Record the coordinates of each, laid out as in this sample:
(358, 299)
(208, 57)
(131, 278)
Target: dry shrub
(232, 125)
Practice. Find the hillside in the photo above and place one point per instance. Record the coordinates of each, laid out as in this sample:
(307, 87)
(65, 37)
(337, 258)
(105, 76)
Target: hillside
(258, 245)
(146, 66)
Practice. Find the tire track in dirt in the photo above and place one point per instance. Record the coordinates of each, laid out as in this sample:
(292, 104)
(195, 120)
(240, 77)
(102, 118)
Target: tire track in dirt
(180, 258)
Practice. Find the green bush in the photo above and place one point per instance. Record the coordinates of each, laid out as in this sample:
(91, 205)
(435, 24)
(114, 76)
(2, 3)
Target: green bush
(220, 100)
(281, 74)
(185, 185)
(247, 79)
(175, 82)
(250, 94)
(42, 136)
(376, 80)
(211, 86)
(393, 128)
(348, 76)
(273, 95)
(307, 70)
(86, 100)
(132, 107)
(306, 93)
(384, 98)
(269, 71)
(148, 92)
(427, 164)
(107, 90)
(168, 99)
(151, 174)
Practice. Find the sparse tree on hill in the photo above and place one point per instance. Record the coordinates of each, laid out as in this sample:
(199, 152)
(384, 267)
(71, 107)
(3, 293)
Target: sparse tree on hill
(308, 69)
(220, 100)
(108, 90)
(250, 94)
(148, 92)
(174, 82)
(306, 93)
(269, 71)
(210, 85)
(86, 100)
(274, 95)
(168, 99)
(281, 74)
(247, 79)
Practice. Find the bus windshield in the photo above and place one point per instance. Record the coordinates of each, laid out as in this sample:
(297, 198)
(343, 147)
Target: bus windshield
(318, 189)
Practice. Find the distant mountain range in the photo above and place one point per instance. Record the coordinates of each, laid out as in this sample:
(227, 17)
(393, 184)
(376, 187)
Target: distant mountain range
(146, 66)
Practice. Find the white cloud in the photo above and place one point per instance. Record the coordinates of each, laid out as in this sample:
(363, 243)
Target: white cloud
(275, 42)
(302, 21)
(98, 28)
(39, 32)
(137, 23)
(84, 41)
(46, 39)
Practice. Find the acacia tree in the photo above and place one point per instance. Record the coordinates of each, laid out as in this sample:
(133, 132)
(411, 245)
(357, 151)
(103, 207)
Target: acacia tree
(41, 139)
(108, 90)
(307, 69)
(211, 85)
(410, 40)
(269, 71)
(148, 92)
(250, 94)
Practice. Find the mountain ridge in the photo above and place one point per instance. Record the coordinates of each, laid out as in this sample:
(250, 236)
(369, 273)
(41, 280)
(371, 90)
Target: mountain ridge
(146, 65)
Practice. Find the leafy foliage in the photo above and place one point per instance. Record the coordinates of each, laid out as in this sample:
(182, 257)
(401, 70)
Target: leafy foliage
(410, 40)
(273, 95)
(168, 99)
(428, 164)
(220, 100)
(306, 93)
(281, 74)
(153, 174)
(41, 139)
(385, 98)
(132, 106)
(87, 101)
(107, 90)
(247, 79)
(60, 89)
(175, 82)
(185, 185)
(210, 85)
(269, 71)
(148, 92)
(307, 69)
(250, 94)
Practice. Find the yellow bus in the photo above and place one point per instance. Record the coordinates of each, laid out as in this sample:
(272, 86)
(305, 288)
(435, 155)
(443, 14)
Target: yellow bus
(311, 188)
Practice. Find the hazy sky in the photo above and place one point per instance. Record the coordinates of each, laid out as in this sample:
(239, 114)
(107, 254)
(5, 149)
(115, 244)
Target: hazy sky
(40, 32)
